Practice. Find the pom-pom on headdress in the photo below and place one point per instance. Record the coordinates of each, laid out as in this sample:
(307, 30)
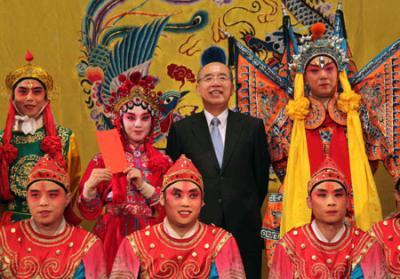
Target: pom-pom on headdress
(316, 45)
(30, 71)
(182, 170)
(135, 90)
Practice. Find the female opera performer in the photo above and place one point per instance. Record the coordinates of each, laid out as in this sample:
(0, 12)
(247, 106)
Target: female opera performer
(127, 201)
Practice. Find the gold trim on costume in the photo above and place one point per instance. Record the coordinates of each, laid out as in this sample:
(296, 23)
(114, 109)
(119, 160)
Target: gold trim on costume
(27, 265)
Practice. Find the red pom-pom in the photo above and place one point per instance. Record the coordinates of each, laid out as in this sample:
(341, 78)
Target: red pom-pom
(317, 31)
(9, 152)
(28, 56)
(121, 78)
(51, 145)
(135, 77)
(94, 74)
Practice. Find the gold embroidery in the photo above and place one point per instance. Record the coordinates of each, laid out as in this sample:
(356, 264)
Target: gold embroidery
(221, 243)
(19, 174)
(175, 267)
(29, 266)
(19, 138)
(22, 167)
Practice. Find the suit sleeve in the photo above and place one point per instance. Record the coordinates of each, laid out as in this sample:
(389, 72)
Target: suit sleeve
(173, 144)
(261, 161)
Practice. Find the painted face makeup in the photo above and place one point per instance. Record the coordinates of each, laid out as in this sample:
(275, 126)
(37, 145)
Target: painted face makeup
(47, 202)
(182, 201)
(321, 76)
(137, 124)
(29, 97)
(328, 202)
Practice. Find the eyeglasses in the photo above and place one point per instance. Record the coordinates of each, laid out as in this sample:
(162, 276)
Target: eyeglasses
(219, 77)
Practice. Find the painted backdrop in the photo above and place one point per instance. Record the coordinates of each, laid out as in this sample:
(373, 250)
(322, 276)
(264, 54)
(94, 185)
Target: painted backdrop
(52, 31)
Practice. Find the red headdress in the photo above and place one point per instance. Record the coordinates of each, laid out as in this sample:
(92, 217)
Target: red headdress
(49, 169)
(182, 170)
(135, 90)
(328, 171)
(51, 144)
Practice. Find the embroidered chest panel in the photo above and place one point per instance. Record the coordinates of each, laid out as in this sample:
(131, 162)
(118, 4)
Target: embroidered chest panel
(26, 254)
(315, 259)
(29, 153)
(164, 257)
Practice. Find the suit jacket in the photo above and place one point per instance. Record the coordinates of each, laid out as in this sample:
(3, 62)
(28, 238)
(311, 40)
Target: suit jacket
(234, 193)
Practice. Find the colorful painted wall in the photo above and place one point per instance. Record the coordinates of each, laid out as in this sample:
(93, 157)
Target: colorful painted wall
(51, 30)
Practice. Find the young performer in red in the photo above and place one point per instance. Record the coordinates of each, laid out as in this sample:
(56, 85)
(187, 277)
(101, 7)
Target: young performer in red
(129, 200)
(328, 247)
(46, 246)
(181, 246)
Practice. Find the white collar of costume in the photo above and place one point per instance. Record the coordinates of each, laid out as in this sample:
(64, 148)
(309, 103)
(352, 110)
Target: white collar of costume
(59, 230)
(26, 124)
(322, 238)
(172, 233)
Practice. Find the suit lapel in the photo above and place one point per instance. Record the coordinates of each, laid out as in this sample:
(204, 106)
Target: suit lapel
(233, 131)
(202, 135)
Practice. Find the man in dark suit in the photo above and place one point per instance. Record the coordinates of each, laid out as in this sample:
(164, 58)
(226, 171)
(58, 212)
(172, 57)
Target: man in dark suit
(230, 151)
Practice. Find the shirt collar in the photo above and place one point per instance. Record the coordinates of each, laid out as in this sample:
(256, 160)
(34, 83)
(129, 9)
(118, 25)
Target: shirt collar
(223, 117)
(322, 238)
(171, 232)
(58, 231)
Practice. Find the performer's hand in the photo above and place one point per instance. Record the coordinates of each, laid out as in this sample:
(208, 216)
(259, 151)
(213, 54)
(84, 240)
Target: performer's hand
(135, 175)
(96, 177)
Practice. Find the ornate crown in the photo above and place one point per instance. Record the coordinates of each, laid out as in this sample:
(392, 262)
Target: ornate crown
(182, 170)
(328, 171)
(29, 71)
(315, 45)
(135, 90)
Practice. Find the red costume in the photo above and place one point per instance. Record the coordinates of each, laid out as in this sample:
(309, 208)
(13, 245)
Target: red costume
(305, 252)
(208, 252)
(387, 233)
(300, 254)
(69, 252)
(126, 209)
(73, 253)
(152, 253)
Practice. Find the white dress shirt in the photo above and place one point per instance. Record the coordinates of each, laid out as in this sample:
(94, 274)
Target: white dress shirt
(223, 118)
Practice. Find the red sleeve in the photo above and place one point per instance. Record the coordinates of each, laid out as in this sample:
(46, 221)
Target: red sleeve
(228, 261)
(92, 209)
(94, 262)
(373, 263)
(126, 263)
(281, 266)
